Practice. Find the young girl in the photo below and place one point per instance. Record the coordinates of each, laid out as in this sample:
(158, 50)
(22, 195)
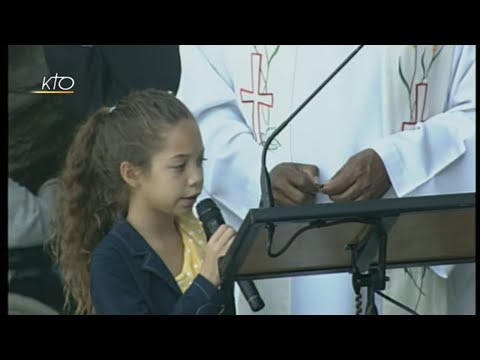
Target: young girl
(129, 242)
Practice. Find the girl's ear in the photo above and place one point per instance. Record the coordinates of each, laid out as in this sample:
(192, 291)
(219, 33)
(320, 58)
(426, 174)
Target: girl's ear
(131, 174)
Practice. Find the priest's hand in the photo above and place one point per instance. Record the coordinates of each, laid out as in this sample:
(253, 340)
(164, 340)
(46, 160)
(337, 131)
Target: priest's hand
(363, 177)
(294, 184)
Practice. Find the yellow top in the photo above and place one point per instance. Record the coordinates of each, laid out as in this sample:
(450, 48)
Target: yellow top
(195, 244)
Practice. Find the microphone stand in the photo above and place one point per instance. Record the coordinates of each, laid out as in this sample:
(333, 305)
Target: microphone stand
(267, 196)
(265, 185)
(375, 279)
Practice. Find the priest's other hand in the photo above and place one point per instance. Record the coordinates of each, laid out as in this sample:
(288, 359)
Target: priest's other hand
(362, 177)
(294, 183)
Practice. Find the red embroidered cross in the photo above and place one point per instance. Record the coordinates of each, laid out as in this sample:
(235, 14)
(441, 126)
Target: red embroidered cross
(418, 111)
(256, 97)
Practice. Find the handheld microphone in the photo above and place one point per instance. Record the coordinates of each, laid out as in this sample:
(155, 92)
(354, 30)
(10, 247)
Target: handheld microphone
(212, 218)
(266, 188)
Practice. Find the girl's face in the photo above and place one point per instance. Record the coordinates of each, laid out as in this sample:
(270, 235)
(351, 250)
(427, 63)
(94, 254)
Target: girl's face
(175, 178)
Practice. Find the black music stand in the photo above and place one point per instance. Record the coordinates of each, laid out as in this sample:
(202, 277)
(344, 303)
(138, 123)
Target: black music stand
(341, 237)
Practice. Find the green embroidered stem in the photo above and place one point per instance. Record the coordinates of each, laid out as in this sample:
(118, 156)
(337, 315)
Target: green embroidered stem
(420, 293)
(273, 55)
(419, 288)
(424, 75)
(435, 56)
(404, 81)
(266, 118)
(425, 72)
(412, 104)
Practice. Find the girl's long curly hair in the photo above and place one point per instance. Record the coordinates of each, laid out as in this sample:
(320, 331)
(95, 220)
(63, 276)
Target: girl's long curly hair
(92, 192)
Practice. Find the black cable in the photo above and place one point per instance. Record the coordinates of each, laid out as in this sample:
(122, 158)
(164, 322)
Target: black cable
(325, 223)
(399, 304)
(358, 303)
(314, 225)
(287, 245)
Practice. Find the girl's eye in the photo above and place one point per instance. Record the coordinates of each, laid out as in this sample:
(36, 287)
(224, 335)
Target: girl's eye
(179, 167)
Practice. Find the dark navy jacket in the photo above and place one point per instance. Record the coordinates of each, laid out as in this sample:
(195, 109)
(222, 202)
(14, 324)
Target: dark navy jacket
(128, 277)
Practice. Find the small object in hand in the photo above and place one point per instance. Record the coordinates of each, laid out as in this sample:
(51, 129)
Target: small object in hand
(317, 183)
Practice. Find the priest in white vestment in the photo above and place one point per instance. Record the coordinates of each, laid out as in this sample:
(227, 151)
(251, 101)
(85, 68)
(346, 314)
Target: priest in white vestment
(410, 108)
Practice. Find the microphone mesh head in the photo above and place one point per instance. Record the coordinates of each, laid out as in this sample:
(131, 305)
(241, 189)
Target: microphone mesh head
(204, 206)
(210, 216)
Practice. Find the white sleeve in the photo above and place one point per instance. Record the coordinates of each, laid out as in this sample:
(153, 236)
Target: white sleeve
(414, 157)
(27, 217)
(232, 168)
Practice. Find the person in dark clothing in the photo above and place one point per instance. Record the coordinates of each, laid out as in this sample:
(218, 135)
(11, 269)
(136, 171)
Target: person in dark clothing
(104, 74)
